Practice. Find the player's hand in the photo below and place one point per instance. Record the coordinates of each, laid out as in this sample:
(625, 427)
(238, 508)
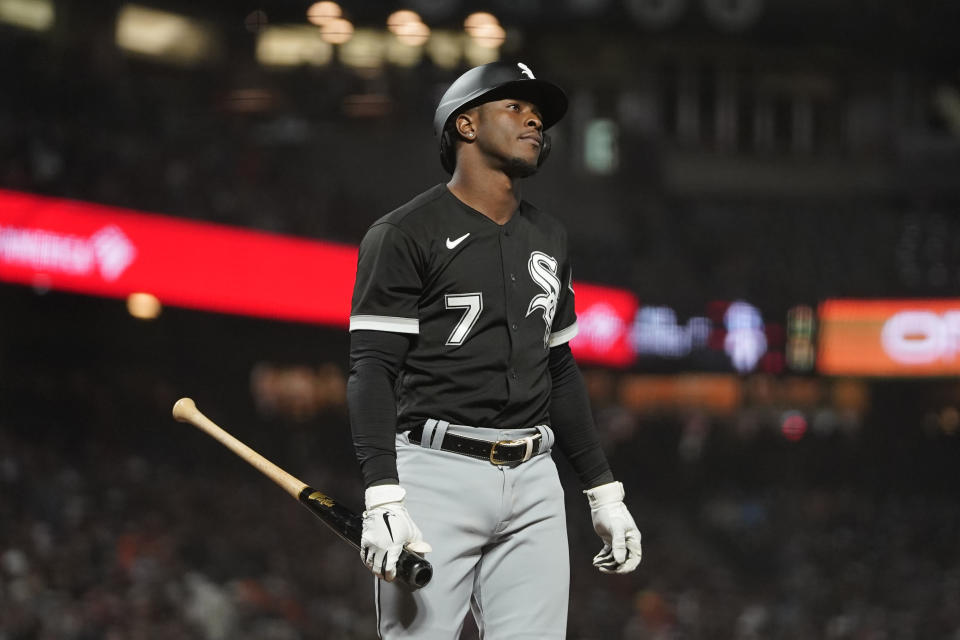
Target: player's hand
(387, 529)
(612, 521)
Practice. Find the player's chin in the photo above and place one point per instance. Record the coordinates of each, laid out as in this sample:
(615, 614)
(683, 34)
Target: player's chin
(519, 167)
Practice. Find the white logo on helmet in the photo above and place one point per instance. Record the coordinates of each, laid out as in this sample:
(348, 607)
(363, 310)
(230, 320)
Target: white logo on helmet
(525, 70)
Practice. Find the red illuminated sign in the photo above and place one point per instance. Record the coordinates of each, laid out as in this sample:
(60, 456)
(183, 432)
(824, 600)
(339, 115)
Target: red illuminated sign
(604, 317)
(107, 251)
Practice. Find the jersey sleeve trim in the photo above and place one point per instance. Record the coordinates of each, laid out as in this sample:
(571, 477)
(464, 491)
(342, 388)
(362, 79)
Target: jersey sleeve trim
(384, 323)
(564, 335)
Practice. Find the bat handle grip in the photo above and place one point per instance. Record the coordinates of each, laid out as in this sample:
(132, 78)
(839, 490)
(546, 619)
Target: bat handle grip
(413, 570)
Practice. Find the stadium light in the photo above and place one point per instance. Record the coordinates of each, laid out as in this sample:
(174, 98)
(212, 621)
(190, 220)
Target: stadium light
(486, 36)
(478, 20)
(337, 31)
(408, 27)
(36, 15)
(161, 34)
(401, 18)
(489, 36)
(291, 46)
(320, 13)
(414, 34)
(143, 306)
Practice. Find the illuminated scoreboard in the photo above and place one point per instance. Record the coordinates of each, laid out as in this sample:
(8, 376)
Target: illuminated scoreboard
(896, 338)
(729, 336)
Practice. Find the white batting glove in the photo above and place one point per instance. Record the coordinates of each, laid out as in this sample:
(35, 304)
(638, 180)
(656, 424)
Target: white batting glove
(387, 529)
(621, 551)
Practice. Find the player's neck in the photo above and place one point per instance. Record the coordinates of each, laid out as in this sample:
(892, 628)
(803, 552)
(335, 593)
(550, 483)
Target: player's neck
(492, 193)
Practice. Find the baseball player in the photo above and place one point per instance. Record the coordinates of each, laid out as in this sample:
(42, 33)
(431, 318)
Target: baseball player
(462, 382)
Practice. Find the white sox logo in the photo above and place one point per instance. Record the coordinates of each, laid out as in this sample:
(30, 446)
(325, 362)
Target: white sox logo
(543, 270)
(525, 70)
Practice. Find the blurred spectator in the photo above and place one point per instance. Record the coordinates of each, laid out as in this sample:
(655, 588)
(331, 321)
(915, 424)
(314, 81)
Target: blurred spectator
(115, 539)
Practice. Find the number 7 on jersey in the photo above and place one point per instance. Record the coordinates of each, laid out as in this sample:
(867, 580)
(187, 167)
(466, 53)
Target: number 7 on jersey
(472, 305)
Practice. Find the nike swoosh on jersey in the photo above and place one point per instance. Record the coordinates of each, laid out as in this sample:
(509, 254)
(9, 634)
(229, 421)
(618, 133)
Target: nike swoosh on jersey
(452, 244)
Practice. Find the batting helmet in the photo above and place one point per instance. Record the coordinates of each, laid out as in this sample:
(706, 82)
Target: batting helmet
(495, 81)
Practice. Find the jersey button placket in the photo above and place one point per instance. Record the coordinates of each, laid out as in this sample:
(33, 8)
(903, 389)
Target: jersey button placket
(510, 282)
(510, 286)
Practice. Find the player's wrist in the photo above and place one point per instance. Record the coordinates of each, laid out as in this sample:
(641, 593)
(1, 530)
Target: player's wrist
(383, 481)
(605, 494)
(379, 495)
(597, 479)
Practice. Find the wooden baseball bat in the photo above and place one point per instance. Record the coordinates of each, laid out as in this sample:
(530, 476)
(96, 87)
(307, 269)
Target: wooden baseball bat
(413, 570)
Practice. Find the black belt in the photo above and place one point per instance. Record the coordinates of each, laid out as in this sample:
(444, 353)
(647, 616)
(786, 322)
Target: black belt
(499, 452)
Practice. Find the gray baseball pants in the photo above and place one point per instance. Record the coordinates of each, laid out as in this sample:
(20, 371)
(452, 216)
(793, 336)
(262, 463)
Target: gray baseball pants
(499, 541)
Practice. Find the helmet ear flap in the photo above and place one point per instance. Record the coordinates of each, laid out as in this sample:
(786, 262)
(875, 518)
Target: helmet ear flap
(544, 150)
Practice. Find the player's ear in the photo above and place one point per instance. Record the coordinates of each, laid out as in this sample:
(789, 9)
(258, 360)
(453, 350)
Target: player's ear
(465, 125)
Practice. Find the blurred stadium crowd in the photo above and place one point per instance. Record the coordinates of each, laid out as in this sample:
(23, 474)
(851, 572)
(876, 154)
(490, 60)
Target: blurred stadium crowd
(158, 532)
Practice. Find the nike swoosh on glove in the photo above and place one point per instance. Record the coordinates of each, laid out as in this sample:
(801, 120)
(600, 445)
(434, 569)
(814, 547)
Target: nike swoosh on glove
(612, 521)
(387, 529)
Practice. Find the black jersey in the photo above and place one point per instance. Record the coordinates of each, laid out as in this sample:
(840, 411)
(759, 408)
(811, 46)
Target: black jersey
(485, 302)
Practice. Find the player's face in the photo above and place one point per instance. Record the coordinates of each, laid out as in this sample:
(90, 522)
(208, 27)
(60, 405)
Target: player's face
(511, 132)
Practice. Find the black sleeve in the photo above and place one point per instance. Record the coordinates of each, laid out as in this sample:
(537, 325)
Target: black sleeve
(375, 359)
(572, 420)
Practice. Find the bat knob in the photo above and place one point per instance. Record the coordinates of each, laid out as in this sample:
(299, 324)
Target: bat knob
(413, 570)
